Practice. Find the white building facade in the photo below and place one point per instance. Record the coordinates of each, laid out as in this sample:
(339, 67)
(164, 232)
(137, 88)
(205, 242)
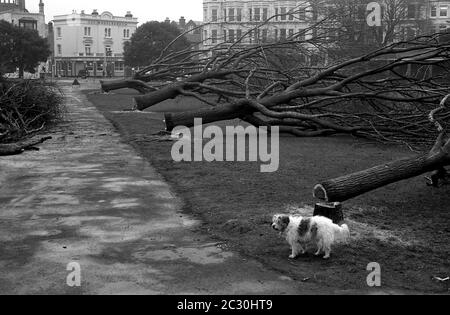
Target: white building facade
(229, 20)
(91, 43)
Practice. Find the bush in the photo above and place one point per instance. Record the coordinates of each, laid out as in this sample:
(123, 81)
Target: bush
(27, 107)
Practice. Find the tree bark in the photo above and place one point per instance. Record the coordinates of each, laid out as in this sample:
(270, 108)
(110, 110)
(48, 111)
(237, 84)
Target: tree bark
(20, 147)
(228, 112)
(353, 185)
(137, 85)
(332, 211)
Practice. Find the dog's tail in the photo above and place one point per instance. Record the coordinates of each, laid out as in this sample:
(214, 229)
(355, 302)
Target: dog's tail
(344, 233)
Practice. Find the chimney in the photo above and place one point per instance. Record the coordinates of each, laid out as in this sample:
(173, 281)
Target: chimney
(129, 15)
(41, 7)
(182, 22)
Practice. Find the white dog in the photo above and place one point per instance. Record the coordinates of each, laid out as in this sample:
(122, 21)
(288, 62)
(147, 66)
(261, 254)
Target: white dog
(301, 232)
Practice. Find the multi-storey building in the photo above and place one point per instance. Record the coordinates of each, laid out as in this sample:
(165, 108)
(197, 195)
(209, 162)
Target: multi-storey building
(91, 43)
(15, 12)
(229, 20)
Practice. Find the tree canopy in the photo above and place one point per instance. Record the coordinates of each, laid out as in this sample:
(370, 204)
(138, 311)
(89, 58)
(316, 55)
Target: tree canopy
(148, 42)
(21, 48)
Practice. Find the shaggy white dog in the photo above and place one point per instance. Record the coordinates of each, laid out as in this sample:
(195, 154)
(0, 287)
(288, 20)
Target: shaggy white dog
(318, 231)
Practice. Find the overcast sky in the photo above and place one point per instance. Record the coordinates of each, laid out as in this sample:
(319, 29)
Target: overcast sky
(145, 10)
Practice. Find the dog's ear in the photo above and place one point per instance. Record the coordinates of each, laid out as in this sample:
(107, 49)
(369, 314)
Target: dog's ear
(285, 220)
(304, 227)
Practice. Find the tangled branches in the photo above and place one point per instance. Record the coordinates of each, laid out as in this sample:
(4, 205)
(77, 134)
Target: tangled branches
(26, 107)
(385, 95)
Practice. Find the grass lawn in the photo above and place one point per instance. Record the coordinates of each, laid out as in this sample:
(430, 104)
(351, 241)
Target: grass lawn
(404, 227)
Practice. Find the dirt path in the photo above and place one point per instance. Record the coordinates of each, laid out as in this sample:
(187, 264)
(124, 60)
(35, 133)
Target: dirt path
(88, 198)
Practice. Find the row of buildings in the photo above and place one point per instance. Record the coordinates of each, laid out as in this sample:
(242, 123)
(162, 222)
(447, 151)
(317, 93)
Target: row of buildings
(227, 20)
(93, 42)
(83, 42)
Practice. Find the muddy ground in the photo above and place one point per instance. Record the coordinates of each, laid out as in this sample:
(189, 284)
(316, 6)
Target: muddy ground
(404, 227)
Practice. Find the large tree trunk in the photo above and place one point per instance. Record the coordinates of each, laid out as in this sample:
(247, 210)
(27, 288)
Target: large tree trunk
(138, 85)
(353, 185)
(187, 119)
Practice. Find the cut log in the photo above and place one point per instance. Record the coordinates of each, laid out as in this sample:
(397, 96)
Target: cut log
(20, 147)
(332, 211)
(354, 185)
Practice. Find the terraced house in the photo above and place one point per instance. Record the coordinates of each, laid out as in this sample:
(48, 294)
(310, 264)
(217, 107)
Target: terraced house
(228, 20)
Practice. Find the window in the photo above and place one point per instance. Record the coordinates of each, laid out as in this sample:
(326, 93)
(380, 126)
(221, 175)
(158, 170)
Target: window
(238, 34)
(59, 49)
(283, 14)
(108, 51)
(443, 11)
(119, 66)
(87, 50)
(283, 34)
(291, 15)
(291, 33)
(250, 14)
(126, 33)
(257, 35)
(214, 36)
(231, 37)
(87, 31)
(225, 35)
(411, 11)
(264, 36)
(302, 14)
(107, 32)
(225, 15)
(239, 15)
(265, 14)
(214, 17)
(276, 14)
(231, 16)
(258, 14)
(58, 32)
(99, 65)
(433, 11)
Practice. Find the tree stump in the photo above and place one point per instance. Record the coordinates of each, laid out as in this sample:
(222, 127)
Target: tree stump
(332, 211)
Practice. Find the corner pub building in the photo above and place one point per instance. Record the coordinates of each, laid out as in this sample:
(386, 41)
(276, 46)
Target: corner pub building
(91, 43)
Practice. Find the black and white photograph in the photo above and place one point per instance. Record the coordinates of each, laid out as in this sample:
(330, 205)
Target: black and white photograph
(224, 153)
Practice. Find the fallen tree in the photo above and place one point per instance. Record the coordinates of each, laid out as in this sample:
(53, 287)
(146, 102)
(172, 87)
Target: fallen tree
(384, 95)
(356, 184)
